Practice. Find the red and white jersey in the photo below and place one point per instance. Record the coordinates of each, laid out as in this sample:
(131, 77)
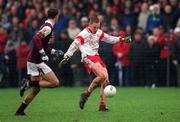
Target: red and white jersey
(88, 42)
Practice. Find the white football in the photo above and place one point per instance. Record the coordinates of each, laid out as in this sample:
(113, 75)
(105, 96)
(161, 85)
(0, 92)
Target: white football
(110, 91)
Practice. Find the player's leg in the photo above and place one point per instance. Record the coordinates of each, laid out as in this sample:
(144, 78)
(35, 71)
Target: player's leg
(102, 106)
(99, 72)
(49, 80)
(33, 92)
(97, 69)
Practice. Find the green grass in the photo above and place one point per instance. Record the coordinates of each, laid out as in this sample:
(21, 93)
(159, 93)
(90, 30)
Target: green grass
(61, 105)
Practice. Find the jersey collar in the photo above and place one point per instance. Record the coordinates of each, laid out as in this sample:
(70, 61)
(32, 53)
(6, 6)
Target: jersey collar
(89, 30)
(50, 22)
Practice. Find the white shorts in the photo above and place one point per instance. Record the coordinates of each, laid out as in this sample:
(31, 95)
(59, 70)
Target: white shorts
(37, 69)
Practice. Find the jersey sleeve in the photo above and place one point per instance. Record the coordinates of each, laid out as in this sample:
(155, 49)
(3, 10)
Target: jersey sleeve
(46, 30)
(76, 44)
(109, 39)
(37, 38)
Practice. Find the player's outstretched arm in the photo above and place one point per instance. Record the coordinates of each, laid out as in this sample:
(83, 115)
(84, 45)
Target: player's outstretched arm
(57, 53)
(71, 50)
(113, 39)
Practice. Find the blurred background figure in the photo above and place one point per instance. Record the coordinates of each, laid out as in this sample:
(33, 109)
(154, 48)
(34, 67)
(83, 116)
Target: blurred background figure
(3, 40)
(65, 72)
(123, 71)
(10, 63)
(176, 53)
(151, 55)
(72, 29)
(76, 65)
(21, 55)
(153, 19)
(167, 69)
(136, 54)
(143, 16)
(167, 18)
(84, 22)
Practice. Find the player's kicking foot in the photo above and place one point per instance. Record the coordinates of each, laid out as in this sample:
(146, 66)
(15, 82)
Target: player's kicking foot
(83, 99)
(23, 86)
(103, 108)
(20, 114)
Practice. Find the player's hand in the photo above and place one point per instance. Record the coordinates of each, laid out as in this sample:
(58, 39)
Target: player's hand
(65, 60)
(175, 62)
(58, 53)
(44, 57)
(67, 57)
(127, 39)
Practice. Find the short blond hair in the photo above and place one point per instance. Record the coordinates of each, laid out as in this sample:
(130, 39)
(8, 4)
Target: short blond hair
(94, 19)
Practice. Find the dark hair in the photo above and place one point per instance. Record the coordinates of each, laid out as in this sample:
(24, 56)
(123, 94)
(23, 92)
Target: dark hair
(52, 13)
(94, 19)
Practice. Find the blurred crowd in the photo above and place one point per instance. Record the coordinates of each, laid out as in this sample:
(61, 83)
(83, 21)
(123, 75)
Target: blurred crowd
(152, 59)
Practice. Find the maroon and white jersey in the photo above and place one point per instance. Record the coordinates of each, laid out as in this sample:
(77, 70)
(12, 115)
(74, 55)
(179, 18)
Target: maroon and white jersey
(88, 43)
(34, 55)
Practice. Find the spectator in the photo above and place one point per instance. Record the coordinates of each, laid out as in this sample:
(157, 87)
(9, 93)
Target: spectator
(174, 4)
(84, 22)
(3, 40)
(128, 17)
(156, 33)
(21, 54)
(128, 30)
(178, 23)
(151, 55)
(5, 23)
(76, 66)
(63, 42)
(121, 51)
(16, 33)
(167, 18)
(33, 28)
(176, 53)
(15, 23)
(72, 29)
(153, 19)
(136, 59)
(166, 43)
(63, 20)
(10, 62)
(108, 14)
(114, 27)
(143, 16)
(107, 53)
(104, 27)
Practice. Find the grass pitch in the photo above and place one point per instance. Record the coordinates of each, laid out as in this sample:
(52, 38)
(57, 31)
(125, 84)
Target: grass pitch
(61, 105)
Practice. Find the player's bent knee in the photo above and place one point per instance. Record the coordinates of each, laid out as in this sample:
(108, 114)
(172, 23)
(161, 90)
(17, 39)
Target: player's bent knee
(102, 77)
(55, 83)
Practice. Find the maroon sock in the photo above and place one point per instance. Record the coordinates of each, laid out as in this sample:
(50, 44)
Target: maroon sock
(87, 93)
(22, 107)
(34, 83)
(102, 106)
